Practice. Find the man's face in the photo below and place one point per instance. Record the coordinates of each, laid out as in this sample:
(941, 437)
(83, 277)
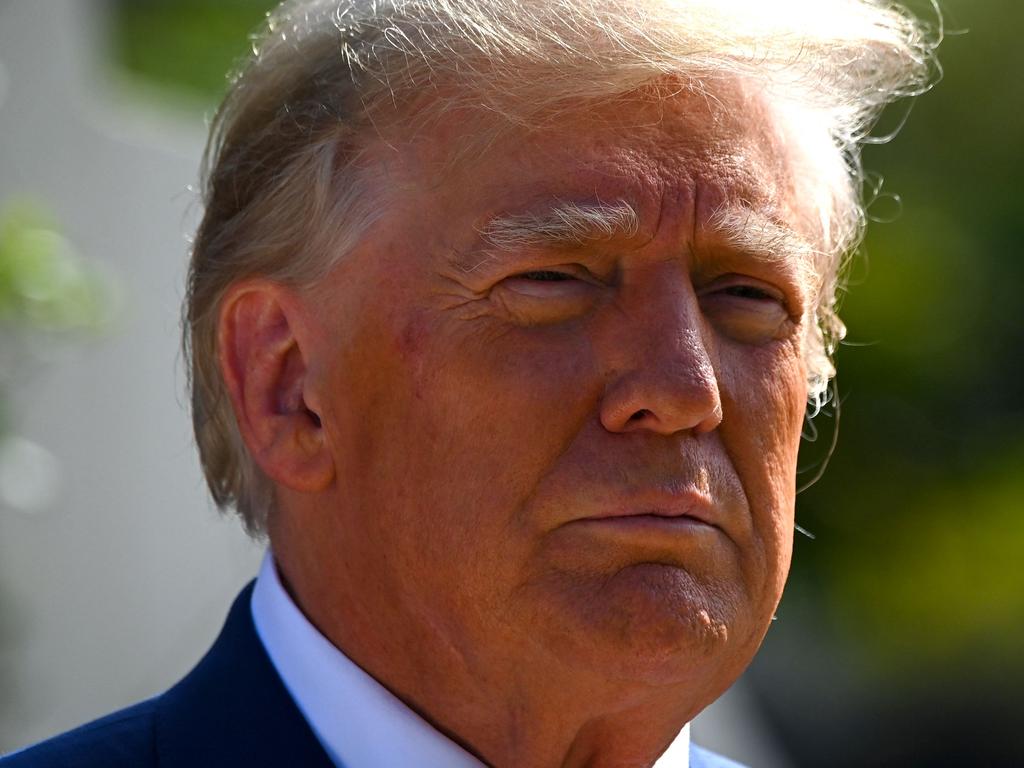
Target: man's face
(556, 456)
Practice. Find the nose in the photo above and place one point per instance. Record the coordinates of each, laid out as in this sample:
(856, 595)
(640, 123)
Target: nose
(662, 377)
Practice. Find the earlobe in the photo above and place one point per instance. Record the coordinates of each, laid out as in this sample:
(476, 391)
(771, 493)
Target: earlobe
(263, 358)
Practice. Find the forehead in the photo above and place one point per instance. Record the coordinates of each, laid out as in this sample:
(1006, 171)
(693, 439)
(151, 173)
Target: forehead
(676, 161)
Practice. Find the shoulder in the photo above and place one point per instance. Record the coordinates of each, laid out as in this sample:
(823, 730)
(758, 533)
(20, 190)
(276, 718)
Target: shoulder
(701, 758)
(119, 740)
(231, 709)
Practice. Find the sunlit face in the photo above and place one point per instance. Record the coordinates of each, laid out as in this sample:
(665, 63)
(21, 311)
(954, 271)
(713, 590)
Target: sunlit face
(575, 456)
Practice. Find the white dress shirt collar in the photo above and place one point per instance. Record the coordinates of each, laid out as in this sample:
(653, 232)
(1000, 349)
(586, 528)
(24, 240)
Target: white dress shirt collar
(357, 720)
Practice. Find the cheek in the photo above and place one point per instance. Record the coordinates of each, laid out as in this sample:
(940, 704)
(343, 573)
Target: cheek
(764, 398)
(504, 403)
(470, 415)
(765, 391)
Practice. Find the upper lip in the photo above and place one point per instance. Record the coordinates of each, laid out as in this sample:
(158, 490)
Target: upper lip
(691, 503)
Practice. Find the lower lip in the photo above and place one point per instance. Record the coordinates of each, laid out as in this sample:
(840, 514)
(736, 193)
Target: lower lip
(652, 523)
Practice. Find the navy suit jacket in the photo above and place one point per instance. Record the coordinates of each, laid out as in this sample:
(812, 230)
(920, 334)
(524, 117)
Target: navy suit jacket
(231, 710)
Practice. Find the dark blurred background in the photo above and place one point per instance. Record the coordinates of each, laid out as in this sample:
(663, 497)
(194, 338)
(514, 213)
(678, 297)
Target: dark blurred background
(899, 641)
(901, 637)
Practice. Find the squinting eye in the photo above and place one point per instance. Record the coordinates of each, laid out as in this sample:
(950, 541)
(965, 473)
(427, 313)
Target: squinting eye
(542, 296)
(749, 292)
(545, 275)
(746, 311)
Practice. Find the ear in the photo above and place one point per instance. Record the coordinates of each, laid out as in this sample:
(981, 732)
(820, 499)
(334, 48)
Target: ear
(264, 366)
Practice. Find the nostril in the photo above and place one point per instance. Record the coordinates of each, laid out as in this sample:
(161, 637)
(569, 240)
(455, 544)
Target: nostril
(639, 414)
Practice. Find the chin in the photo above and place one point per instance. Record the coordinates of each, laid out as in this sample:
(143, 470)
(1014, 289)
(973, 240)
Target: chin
(657, 624)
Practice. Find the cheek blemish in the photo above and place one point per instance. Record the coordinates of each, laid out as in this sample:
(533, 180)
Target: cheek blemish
(411, 343)
(412, 337)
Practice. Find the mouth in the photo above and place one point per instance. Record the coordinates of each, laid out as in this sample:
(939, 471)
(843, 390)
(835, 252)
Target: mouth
(656, 509)
(652, 533)
(650, 520)
(655, 512)
(672, 523)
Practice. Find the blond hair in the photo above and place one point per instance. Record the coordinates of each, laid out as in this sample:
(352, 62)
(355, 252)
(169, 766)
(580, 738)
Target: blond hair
(285, 199)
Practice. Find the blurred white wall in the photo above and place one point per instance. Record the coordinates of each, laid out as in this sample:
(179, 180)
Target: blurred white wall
(114, 590)
(109, 594)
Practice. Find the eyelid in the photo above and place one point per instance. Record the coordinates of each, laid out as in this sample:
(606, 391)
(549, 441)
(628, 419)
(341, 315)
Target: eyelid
(748, 319)
(787, 297)
(545, 289)
(560, 272)
(578, 286)
(577, 272)
(738, 281)
(570, 268)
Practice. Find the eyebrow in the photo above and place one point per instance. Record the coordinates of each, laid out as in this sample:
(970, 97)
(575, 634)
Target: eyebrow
(571, 224)
(760, 236)
(566, 224)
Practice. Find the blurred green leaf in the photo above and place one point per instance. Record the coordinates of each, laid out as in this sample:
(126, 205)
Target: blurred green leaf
(44, 283)
(186, 45)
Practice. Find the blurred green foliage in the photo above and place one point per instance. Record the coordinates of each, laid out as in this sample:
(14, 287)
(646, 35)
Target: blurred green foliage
(44, 284)
(921, 514)
(186, 45)
(45, 288)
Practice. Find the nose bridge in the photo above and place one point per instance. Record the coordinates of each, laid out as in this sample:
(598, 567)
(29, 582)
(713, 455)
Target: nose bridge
(662, 375)
(669, 331)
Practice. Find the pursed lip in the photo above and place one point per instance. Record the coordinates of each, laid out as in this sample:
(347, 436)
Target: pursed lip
(693, 505)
